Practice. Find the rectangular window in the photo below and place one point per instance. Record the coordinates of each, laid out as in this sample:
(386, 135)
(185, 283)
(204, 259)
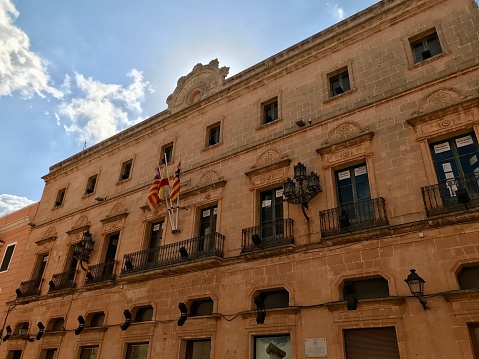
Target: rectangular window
(41, 265)
(154, 242)
(126, 170)
(339, 83)
(274, 346)
(207, 228)
(48, 354)
(7, 257)
(270, 111)
(474, 332)
(271, 213)
(167, 152)
(89, 352)
(426, 47)
(90, 186)
(137, 351)
(60, 197)
(14, 354)
(213, 135)
(198, 349)
(201, 307)
(367, 288)
(371, 343)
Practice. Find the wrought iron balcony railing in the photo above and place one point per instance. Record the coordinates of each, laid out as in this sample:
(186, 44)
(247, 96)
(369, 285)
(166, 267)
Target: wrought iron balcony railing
(101, 272)
(200, 247)
(267, 235)
(365, 214)
(30, 287)
(62, 280)
(452, 195)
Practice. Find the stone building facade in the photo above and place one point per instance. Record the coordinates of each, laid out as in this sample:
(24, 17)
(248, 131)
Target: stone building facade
(382, 106)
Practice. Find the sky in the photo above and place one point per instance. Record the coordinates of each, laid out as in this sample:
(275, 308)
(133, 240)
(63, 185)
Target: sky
(76, 71)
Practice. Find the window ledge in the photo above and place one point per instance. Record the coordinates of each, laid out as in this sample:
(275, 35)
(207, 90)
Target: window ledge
(211, 146)
(462, 294)
(341, 305)
(86, 195)
(344, 94)
(282, 311)
(120, 182)
(271, 123)
(427, 61)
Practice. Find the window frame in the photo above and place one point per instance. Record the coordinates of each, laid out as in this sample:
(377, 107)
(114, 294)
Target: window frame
(413, 35)
(458, 273)
(194, 304)
(264, 110)
(91, 189)
(124, 166)
(44, 352)
(364, 279)
(474, 340)
(189, 347)
(420, 41)
(209, 130)
(128, 346)
(143, 307)
(164, 149)
(11, 257)
(339, 74)
(87, 347)
(60, 198)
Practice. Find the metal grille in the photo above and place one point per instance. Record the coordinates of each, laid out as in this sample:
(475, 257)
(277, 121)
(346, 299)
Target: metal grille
(270, 234)
(101, 272)
(63, 280)
(30, 287)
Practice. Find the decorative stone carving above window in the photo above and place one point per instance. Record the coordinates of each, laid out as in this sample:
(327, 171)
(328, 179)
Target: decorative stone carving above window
(76, 233)
(270, 168)
(344, 132)
(115, 221)
(49, 236)
(201, 82)
(439, 99)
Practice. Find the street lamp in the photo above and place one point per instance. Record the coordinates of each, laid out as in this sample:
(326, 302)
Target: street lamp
(306, 189)
(23, 332)
(416, 286)
(83, 249)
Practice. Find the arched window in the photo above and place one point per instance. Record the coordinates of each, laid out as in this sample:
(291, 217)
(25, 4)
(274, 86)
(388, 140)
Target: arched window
(97, 320)
(367, 288)
(144, 314)
(201, 307)
(57, 324)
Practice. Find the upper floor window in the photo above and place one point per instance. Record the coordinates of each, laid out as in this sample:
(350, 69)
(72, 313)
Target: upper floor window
(426, 47)
(21, 325)
(49, 353)
(167, 153)
(468, 277)
(90, 186)
(339, 83)
(198, 348)
(144, 314)
(60, 197)
(366, 288)
(271, 213)
(272, 299)
(56, 325)
(126, 170)
(7, 257)
(213, 135)
(201, 307)
(96, 320)
(270, 111)
(40, 266)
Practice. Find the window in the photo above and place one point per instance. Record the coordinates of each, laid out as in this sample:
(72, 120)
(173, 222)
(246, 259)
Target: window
(19, 326)
(207, 228)
(468, 277)
(90, 186)
(213, 135)
(40, 267)
(339, 83)
(368, 288)
(126, 170)
(48, 354)
(144, 314)
(274, 298)
(353, 191)
(14, 354)
(60, 197)
(426, 47)
(137, 351)
(273, 346)
(201, 307)
(89, 352)
(198, 349)
(56, 325)
(7, 257)
(167, 151)
(270, 111)
(271, 213)
(474, 332)
(371, 343)
(97, 320)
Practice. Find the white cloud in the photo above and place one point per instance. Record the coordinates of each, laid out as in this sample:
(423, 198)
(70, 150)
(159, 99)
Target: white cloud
(102, 110)
(20, 69)
(336, 11)
(11, 203)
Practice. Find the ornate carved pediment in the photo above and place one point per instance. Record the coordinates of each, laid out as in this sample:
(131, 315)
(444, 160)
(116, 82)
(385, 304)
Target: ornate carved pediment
(76, 233)
(439, 99)
(344, 132)
(49, 236)
(270, 168)
(115, 220)
(200, 83)
(208, 178)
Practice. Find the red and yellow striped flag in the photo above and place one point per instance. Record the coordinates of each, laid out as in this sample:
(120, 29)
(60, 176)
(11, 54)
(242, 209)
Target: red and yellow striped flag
(157, 189)
(175, 187)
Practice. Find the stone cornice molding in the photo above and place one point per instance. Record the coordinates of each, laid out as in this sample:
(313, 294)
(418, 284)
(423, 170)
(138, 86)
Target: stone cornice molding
(15, 224)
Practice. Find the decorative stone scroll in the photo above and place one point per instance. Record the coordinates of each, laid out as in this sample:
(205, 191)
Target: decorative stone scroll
(209, 178)
(76, 233)
(201, 82)
(115, 221)
(439, 99)
(344, 132)
(270, 168)
(50, 235)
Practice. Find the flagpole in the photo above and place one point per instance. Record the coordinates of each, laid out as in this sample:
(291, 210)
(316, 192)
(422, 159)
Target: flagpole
(178, 201)
(169, 204)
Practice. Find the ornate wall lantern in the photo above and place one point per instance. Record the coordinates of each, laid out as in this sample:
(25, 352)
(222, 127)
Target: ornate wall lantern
(83, 249)
(23, 332)
(416, 286)
(306, 188)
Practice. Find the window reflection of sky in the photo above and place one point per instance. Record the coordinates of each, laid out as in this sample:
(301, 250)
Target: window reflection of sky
(282, 342)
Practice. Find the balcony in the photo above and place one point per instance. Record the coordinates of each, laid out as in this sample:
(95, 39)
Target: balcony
(365, 214)
(268, 235)
(65, 280)
(29, 288)
(102, 272)
(208, 246)
(453, 195)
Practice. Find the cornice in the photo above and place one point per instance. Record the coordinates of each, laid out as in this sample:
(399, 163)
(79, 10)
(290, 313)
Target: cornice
(15, 224)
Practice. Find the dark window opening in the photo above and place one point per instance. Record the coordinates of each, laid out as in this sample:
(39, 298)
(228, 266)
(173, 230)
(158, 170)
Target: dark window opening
(339, 83)
(20, 326)
(214, 135)
(144, 314)
(97, 320)
(369, 288)
(274, 298)
(201, 307)
(49, 354)
(60, 197)
(270, 112)
(126, 170)
(7, 257)
(167, 152)
(57, 325)
(40, 267)
(468, 277)
(426, 47)
(474, 333)
(90, 186)
(207, 228)
(14, 354)
(89, 352)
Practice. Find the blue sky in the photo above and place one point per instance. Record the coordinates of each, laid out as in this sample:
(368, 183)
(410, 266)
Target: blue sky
(76, 71)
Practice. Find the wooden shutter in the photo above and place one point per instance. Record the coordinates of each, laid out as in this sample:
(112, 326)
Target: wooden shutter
(371, 343)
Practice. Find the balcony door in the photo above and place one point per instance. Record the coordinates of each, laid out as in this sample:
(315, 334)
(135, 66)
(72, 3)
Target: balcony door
(207, 228)
(155, 241)
(41, 265)
(111, 254)
(354, 193)
(271, 213)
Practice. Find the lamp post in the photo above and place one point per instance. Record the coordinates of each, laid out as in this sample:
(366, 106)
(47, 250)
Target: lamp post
(416, 286)
(305, 188)
(83, 249)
